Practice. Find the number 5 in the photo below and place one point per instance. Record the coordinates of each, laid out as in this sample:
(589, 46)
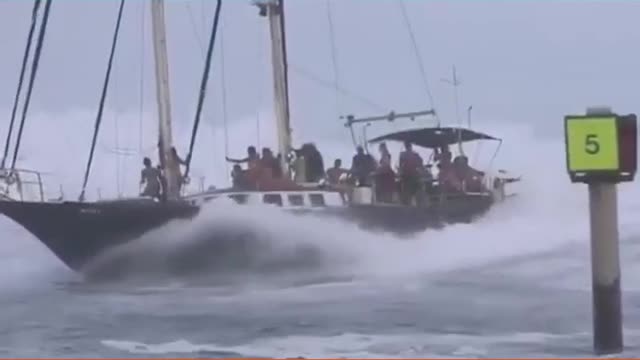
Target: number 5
(591, 144)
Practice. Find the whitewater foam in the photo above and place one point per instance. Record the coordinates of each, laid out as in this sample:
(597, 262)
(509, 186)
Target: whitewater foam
(547, 213)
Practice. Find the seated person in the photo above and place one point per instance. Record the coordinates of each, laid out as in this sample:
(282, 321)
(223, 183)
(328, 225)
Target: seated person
(238, 177)
(471, 177)
(334, 173)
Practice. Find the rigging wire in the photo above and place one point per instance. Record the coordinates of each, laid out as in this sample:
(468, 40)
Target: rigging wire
(192, 19)
(223, 85)
(142, 67)
(222, 66)
(102, 99)
(203, 85)
(25, 58)
(416, 51)
(32, 78)
(334, 58)
(327, 84)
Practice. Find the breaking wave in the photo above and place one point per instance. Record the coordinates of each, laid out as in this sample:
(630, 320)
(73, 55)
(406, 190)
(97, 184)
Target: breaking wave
(548, 213)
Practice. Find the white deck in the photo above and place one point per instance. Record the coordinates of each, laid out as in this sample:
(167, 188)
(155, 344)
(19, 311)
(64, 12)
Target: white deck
(311, 199)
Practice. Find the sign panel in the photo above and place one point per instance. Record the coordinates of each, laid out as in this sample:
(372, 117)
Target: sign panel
(592, 144)
(601, 148)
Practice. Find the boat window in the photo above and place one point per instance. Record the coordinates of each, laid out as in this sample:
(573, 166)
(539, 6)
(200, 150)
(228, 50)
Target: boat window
(272, 199)
(317, 200)
(240, 199)
(296, 200)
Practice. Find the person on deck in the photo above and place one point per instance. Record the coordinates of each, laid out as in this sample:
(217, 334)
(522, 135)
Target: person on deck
(471, 179)
(252, 174)
(313, 163)
(150, 177)
(385, 176)
(238, 177)
(315, 168)
(362, 166)
(447, 176)
(174, 163)
(334, 173)
(270, 164)
(411, 167)
(252, 158)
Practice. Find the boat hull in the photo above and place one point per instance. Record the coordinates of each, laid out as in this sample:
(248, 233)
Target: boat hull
(79, 232)
(408, 220)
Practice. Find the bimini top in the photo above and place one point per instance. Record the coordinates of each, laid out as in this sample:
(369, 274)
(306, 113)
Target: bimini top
(435, 137)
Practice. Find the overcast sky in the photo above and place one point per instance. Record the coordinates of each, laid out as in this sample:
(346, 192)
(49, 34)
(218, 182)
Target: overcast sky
(527, 61)
(518, 60)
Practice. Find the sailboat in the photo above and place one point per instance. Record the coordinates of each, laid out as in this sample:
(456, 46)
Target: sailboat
(78, 231)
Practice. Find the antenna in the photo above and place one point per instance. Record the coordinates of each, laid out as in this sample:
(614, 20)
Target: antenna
(455, 82)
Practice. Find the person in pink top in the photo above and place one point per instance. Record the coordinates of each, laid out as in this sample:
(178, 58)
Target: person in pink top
(385, 176)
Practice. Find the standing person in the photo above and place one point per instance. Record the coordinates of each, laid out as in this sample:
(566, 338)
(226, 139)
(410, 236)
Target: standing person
(362, 166)
(253, 173)
(315, 163)
(252, 158)
(150, 177)
(411, 164)
(270, 162)
(173, 162)
(385, 176)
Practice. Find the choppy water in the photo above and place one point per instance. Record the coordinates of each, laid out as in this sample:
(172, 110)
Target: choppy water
(515, 284)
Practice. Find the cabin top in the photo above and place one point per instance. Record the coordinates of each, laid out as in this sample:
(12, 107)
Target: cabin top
(285, 199)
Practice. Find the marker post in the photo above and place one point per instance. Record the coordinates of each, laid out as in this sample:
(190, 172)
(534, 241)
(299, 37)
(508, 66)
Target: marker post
(601, 149)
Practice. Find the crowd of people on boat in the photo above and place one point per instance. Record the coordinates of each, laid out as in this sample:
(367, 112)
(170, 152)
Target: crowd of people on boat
(412, 177)
(410, 180)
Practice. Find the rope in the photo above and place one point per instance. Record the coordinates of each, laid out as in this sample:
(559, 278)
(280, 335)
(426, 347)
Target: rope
(102, 99)
(416, 51)
(203, 84)
(25, 58)
(32, 78)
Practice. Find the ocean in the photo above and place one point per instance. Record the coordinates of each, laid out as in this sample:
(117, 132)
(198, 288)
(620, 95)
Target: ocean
(516, 283)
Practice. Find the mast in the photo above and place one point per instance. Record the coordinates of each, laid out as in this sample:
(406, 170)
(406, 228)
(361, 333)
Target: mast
(165, 141)
(274, 11)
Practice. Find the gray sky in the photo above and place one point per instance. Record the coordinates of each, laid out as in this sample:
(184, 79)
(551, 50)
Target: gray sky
(529, 61)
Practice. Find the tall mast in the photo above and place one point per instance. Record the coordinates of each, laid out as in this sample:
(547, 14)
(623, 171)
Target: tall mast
(165, 141)
(274, 10)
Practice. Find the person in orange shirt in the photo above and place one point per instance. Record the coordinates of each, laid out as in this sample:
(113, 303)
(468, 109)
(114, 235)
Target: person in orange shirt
(252, 174)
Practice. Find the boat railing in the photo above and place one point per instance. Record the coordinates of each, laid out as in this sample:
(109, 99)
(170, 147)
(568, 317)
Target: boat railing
(21, 185)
